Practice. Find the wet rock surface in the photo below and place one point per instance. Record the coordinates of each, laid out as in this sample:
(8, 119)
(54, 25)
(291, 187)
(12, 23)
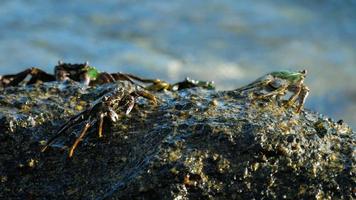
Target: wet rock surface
(195, 144)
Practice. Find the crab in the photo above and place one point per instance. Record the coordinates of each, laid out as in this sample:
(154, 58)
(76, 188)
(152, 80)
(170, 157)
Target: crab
(62, 72)
(108, 107)
(278, 84)
(90, 76)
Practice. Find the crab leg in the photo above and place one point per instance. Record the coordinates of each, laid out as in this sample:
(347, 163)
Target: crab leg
(146, 95)
(39, 75)
(101, 122)
(64, 127)
(79, 139)
(280, 90)
(257, 83)
(157, 84)
(294, 97)
(124, 77)
(303, 96)
(106, 77)
(130, 76)
(17, 78)
(110, 78)
(36, 74)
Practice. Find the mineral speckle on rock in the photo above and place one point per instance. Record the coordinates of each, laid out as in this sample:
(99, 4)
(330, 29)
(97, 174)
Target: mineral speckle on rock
(195, 144)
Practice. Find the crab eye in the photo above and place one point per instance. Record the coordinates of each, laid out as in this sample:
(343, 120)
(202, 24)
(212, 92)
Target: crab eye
(304, 72)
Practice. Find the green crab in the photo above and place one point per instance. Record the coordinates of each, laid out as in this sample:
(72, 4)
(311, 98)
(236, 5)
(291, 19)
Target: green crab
(278, 84)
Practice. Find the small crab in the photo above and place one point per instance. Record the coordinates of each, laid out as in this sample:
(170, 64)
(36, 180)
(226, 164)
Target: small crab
(109, 106)
(277, 84)
(62, 72)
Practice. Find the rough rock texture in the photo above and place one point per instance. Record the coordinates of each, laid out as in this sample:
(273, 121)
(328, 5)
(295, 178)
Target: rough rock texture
(195, 144)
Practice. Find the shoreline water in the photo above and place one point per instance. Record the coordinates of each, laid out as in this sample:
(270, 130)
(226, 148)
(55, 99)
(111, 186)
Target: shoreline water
(228, 41)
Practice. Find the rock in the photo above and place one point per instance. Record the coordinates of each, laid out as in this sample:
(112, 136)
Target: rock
(195, 144)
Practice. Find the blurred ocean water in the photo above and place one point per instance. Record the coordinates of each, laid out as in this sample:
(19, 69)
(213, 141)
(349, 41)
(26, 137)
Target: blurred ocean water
(229, 41)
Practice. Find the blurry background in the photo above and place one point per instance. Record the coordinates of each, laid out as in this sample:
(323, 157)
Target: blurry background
(229, 41)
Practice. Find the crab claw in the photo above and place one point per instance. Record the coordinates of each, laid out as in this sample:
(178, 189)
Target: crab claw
(113, 115)
(130, 104)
